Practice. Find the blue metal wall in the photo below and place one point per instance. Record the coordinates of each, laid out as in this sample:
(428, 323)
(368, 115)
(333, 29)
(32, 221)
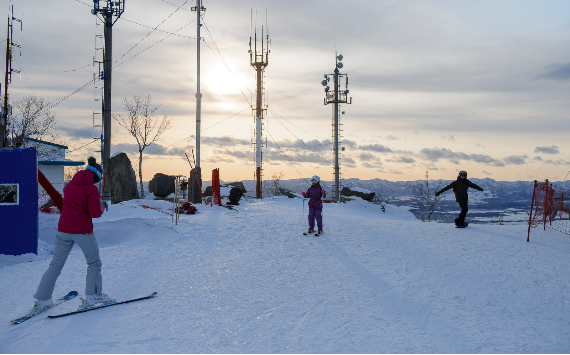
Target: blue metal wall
(19, 223)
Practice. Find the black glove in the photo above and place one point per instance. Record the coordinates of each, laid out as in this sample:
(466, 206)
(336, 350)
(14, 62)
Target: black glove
(104, 203)
(438, 193)
(481, 190)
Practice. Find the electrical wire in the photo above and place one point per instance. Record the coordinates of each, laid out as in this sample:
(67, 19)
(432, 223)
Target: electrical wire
(190, 136)
(154, 29)
(223, 60)
(282, 152)
(276, 114)
(83, 146)
(300, 140)
(61, 72)
(63, 98)
(171, 33)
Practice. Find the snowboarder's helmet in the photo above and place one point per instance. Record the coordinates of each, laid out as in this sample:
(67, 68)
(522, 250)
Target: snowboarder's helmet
(315, 179)
(463, 174)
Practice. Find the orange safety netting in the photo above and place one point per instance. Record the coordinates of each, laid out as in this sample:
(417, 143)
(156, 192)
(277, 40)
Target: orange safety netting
(551, 207)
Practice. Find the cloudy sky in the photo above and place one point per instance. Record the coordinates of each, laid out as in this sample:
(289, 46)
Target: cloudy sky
(481, 86)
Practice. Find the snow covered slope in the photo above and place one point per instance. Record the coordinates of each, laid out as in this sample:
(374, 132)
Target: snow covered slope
(249, 281)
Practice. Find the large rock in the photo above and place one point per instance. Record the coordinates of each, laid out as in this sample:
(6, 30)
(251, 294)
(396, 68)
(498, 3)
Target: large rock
(122, 179)
(161, 185)
(359, 192)
(195, 185)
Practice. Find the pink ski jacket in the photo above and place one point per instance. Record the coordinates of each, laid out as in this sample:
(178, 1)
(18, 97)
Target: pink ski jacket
(81, 203)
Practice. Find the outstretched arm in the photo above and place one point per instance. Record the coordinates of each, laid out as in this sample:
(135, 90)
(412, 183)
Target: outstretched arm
(473, 186)
(444, 189)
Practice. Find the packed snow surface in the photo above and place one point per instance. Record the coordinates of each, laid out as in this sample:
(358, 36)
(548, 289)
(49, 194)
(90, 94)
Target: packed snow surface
(248, 281)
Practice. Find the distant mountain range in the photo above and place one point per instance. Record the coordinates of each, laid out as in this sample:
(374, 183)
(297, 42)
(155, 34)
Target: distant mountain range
(484, 207)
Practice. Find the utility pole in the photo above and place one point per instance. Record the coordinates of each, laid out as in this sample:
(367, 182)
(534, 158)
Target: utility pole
(8, 74)
(337, 97)
(196, 174)
(112, 8)
(259, 60)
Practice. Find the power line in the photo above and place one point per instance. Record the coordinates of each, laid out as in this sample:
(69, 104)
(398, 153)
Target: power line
(276, 114)
(215, 124)
(61, 72)
(300, 140)
(83, 146)
(282, 152)
(169, 3)
(154, 29)
(223, 60)
(171, 33)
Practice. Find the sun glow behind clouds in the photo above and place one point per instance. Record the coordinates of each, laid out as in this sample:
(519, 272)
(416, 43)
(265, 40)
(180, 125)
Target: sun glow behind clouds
(223, 82)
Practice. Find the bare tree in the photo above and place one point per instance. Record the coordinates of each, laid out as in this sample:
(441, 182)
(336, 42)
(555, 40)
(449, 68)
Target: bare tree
(142, 123)
(272, 187)
(33, 118)
(424, 194)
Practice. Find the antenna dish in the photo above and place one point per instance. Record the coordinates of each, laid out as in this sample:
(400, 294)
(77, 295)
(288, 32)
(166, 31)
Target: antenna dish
(324, 83)
(339, 65)
(340, 57)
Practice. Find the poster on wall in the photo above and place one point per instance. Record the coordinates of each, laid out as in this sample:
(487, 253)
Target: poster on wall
(9, 194)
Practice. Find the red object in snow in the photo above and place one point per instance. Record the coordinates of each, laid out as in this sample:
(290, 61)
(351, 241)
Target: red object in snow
(51, 191)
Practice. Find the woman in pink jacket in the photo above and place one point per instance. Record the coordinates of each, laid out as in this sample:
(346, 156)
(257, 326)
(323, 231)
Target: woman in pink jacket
(81, 203)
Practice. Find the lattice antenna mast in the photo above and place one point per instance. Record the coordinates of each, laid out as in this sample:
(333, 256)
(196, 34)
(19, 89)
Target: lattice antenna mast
(8, 74)
(336, 96)
(259, 60)
(107, 9)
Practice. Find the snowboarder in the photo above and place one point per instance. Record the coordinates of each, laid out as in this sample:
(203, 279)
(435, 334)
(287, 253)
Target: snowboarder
(460, 187)
(235, 194)
(315, 193)
(81, 203)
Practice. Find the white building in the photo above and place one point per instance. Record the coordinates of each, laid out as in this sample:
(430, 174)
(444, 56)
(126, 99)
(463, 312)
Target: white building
(51, 161)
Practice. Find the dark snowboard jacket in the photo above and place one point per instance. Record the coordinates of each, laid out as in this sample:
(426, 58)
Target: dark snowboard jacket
(460, 188)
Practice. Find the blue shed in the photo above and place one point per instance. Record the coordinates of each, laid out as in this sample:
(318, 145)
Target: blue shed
(18, 201)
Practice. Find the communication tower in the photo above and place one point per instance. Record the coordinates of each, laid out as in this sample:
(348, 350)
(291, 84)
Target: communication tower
(336, 96)
(8, 74)
(259, 60)
(107, 9)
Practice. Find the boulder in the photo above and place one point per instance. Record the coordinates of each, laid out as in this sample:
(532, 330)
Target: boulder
(287, 193)
(122, 179)
(236, 183)
(364, 194)
(161, 185)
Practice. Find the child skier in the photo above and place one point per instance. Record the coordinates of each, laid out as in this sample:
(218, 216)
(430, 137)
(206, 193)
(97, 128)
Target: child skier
(460, 187)
(81, 203)
(315, 193)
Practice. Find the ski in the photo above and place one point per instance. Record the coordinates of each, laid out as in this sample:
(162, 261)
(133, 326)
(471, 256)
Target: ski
(57, 302)
(307, 233)
(82, 310)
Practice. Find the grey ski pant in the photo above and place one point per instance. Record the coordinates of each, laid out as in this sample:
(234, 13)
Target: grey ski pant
(63, 244)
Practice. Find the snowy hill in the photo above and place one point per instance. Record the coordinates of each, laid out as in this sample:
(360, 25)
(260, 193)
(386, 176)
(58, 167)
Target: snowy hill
(249, 281)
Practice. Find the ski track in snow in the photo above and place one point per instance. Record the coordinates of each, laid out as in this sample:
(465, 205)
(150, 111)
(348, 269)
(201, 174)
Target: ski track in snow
(248, 281)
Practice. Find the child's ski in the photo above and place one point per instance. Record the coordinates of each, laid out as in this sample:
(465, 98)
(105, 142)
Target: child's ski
(91, 308)
(57, 302)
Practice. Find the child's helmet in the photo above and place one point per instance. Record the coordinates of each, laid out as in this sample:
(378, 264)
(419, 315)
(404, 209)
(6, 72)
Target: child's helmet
(315, 179)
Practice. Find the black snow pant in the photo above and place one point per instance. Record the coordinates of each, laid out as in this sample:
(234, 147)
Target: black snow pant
(461, 219)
